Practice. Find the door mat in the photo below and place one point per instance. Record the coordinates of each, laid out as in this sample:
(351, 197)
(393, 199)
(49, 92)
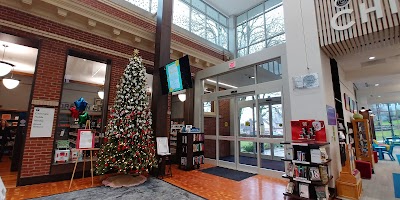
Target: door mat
(398, 158)
(228, 173)
(396, 184)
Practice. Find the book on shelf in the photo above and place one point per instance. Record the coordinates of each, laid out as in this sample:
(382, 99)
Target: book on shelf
(198, 147)
(198, 137)
(290, 169)
(301, 172)
(323, 170)
(322, 192)
(303, 190)
(314, 174)
(290, 188)
(197, 160)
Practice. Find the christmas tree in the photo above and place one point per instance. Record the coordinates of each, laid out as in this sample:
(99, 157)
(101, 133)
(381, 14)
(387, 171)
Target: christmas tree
(129, 145)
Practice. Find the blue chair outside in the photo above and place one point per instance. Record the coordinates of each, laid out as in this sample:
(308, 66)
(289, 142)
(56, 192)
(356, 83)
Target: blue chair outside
(390, 152)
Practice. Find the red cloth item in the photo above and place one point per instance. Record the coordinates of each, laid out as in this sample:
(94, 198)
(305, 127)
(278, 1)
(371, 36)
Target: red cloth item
(376, 157)
(365, 169)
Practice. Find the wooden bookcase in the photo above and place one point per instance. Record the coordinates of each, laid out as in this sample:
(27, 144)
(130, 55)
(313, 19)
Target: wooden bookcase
(306, 164)
(190, 150)
(363, 140)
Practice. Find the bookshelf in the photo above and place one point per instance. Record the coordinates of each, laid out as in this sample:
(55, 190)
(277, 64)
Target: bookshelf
(308, 171)
(173, 137)
(190, 150)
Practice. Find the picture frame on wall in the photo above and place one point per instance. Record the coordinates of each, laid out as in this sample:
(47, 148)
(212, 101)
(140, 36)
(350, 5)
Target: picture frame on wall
(346, 104)
(351, 105)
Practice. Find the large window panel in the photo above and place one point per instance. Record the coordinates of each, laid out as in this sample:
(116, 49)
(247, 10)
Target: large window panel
(256, 30)
(261, 24)
(182, 17)
(200, 5)
(212, 31)
(154, 6)
(256, 47)
(198, 23)
(143, 4)
(242, 35)
(274, 22)
(223, 36)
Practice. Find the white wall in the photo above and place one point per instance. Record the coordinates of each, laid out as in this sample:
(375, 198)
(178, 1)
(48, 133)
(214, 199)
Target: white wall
(18, 98)
(303, 50)
(346, 87)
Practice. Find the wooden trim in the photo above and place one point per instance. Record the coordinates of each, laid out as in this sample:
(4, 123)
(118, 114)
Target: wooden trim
(375, 33)
(23, 73)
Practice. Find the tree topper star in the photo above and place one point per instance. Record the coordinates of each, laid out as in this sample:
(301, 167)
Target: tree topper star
(136, 52)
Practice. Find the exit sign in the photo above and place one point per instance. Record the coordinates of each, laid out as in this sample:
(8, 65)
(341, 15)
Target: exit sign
(232, 64)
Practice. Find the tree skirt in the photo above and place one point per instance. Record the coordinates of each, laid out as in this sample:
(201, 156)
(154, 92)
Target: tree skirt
(124, 180)
(153, 189)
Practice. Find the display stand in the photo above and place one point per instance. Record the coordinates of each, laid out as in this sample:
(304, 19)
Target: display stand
(84, 158)
(363, 141)
(190, 150)
(308, 178)
(349, 184)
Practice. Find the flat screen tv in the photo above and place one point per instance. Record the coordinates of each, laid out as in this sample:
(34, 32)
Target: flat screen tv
(176, 76)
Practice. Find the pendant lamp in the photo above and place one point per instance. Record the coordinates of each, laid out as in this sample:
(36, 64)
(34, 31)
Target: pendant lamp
(182, 97)
(5, 67)
(101, 93)
(10, 83)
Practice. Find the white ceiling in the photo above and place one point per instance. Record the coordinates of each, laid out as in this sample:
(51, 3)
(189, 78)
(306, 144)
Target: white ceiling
(377, 79)
(83, 70)
(24, 58)
(233, 7)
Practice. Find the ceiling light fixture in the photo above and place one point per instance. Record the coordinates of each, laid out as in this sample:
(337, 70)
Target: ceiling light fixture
(101, 93)
(362, 109)
(252, 77)
(379, 96)
(220, 83)
(376, 85)
(10, 83)
(5, 67)
(372, 58)
(182, 97)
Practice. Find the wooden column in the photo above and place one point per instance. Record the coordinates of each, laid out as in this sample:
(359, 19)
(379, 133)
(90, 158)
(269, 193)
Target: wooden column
(161, 58)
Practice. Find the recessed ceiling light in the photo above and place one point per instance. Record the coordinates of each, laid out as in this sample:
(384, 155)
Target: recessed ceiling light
(252, 77)
(379, 96)
(376, 85)
(372, 57)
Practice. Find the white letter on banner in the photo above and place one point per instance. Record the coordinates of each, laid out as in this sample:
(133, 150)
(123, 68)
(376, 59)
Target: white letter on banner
(337, 15)
(393, 6)
(364, 10)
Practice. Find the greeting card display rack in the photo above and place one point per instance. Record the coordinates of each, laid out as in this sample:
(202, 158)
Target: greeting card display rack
(308, 178)
(190, 150)
(363, 141)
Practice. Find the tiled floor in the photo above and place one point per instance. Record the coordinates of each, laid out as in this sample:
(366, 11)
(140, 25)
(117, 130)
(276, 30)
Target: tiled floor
(202, 184)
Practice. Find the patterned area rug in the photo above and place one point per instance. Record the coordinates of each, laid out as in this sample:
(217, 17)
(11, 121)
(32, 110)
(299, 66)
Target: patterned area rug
(153, 188)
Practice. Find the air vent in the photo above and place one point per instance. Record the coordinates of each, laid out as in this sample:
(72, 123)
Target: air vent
(373, 62)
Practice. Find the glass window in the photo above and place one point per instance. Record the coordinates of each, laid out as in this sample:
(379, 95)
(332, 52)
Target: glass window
(269, 71)
(223, 20)
(223, 36)
(154, 6)
(259, 28)
(143, 4)
(199, 4)
(198, 23)
(181, 18)
(212, 13)
(212, 31)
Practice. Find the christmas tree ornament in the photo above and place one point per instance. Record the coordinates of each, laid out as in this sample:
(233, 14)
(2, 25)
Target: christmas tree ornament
(80, 104)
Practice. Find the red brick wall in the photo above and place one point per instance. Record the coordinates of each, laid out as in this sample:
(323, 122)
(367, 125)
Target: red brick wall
(50, 72)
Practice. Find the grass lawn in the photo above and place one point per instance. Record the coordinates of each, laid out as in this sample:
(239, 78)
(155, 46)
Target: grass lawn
(385, 134)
